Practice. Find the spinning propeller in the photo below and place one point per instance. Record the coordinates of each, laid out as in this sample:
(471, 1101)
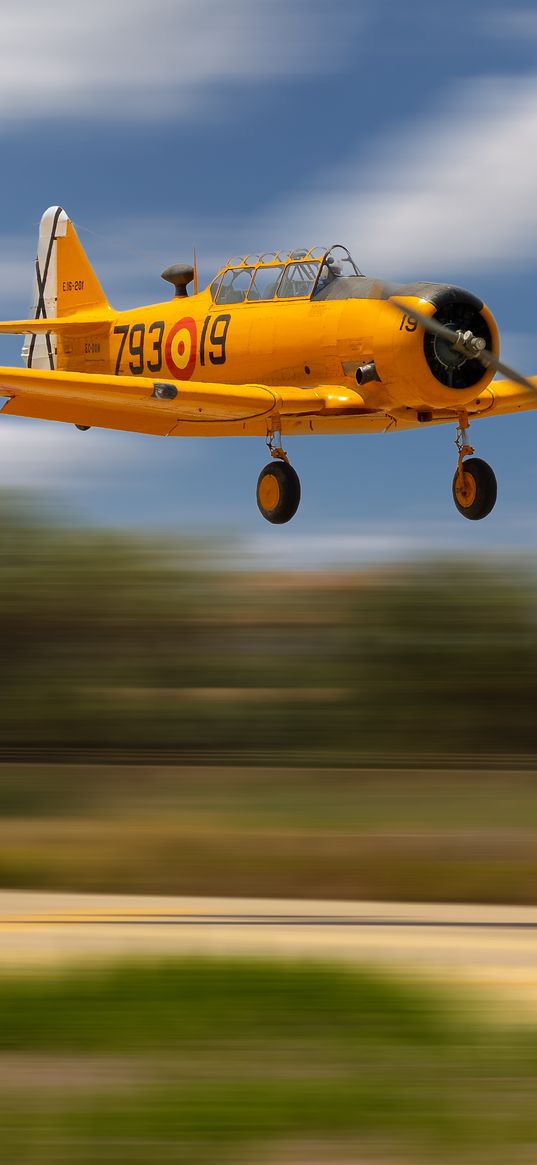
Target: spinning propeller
(473, 347)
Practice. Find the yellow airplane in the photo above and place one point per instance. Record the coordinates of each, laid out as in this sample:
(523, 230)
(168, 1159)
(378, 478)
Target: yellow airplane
(278, 344)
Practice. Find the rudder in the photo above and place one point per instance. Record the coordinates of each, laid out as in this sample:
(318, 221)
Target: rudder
(65, 284)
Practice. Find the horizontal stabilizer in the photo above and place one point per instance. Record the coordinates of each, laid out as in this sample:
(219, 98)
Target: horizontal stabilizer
(64, 325)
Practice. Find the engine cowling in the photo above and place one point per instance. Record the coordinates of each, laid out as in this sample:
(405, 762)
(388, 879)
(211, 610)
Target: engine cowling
(426, 371)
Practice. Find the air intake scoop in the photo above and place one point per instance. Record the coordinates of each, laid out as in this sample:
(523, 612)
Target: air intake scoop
(179, 275)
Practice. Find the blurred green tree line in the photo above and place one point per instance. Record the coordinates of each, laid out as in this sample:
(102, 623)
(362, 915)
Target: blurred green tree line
(128, 644)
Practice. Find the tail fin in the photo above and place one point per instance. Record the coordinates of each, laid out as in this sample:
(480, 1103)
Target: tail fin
(65, 283)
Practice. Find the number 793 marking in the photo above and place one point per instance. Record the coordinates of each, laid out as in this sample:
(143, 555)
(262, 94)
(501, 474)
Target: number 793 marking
(212, 343)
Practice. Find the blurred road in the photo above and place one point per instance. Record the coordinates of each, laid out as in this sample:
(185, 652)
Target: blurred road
(493, 947)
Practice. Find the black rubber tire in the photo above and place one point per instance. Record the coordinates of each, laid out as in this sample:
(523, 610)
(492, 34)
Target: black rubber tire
(285, 491)
(486, 489)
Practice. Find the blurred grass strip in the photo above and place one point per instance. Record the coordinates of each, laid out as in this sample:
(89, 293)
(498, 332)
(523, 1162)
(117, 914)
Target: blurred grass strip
(182, 1004)
(252, 1053)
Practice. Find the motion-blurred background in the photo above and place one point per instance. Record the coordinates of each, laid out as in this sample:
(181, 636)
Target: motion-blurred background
(195, 703)
(195, 726)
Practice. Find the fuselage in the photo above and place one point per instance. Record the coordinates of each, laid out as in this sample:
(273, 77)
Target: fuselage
(323, 337)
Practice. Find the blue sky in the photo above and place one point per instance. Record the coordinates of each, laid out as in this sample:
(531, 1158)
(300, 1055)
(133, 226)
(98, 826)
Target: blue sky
(408, 132)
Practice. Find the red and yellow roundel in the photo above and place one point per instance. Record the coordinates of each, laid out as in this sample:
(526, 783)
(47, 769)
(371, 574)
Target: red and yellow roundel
(181, 348)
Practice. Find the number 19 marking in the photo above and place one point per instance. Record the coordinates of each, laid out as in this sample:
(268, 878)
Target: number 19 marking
(409, 323)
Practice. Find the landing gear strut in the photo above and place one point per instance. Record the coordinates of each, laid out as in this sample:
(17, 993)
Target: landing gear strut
(278, 485)
(474, 485)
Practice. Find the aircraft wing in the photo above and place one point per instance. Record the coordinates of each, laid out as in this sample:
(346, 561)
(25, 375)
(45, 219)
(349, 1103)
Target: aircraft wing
(141, 404)
(509, 397)
(148, 405)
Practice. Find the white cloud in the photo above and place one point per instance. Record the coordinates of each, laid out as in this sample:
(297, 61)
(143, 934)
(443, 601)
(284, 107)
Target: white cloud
(155, 58)
(455, 192)
(367, 544)
(53, 456)
(345, 547)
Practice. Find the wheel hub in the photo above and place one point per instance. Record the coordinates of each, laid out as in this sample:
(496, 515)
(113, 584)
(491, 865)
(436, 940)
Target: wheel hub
(467, 490)
(269, 492)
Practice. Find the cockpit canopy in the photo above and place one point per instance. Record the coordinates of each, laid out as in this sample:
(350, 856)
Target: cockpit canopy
(298, 275)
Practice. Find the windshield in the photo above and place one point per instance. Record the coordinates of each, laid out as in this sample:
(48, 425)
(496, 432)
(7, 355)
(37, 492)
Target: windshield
(337, 264)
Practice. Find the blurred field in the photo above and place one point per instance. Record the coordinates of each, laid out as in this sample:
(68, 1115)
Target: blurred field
(226, 1061)
(405, 835)
(286, 704)
(129, 647)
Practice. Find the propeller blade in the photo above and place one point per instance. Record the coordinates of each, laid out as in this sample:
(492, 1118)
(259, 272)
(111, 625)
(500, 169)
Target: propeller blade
(491, 361)
(472, 346)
